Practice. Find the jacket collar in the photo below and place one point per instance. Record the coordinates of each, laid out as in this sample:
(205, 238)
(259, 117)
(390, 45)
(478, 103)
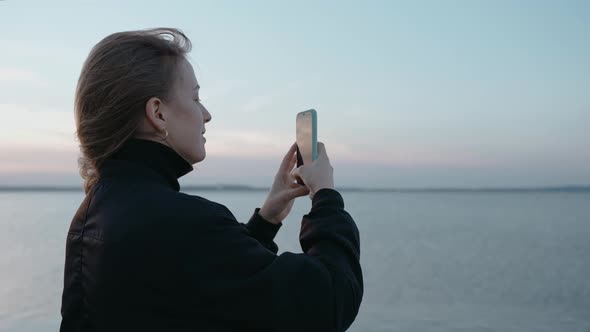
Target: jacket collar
(137, 156)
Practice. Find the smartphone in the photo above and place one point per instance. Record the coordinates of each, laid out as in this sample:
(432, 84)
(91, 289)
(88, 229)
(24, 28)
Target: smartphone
(306, 138)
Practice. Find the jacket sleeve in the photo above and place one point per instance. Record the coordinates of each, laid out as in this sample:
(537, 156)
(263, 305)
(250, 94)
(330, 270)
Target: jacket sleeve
(236, 278)
(263, 231)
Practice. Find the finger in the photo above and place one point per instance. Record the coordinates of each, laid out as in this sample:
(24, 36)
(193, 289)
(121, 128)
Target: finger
(295, 185)
(321, 149)
(288, 157)
(322, 153)
(282, 173)
(292, 162)
(298, 192)
(296, 173)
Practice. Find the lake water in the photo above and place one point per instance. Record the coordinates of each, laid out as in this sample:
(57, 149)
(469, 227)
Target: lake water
(431, 261)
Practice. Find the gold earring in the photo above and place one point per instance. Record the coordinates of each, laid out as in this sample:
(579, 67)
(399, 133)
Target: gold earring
(166, 135)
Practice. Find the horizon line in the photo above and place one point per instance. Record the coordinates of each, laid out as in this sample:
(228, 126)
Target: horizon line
(238, 187)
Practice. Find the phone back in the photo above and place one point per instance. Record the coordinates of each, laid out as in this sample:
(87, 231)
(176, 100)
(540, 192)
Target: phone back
(306, 137)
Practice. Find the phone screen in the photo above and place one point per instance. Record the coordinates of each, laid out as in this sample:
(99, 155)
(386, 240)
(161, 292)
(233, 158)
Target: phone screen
(306, 137)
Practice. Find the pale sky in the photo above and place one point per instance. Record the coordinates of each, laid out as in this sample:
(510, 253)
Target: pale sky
(408, 94)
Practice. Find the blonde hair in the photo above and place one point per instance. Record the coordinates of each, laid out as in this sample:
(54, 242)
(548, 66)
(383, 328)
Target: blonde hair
(122, 72)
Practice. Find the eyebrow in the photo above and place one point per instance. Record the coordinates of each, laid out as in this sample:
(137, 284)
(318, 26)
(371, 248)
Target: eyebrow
(197, 87)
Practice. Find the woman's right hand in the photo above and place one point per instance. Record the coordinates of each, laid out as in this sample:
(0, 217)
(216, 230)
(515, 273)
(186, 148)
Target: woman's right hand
(317, 175)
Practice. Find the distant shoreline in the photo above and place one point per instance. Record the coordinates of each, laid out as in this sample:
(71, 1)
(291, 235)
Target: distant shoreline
(565, 188)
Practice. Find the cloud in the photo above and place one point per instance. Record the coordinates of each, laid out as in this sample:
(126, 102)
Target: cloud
(13, 74)
(245, 143)
(35, 125)
(249, 144)
(48, 159)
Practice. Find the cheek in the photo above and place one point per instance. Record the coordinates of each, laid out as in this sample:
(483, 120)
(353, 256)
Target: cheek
(191, 114)
(196, 124)
(197, 116)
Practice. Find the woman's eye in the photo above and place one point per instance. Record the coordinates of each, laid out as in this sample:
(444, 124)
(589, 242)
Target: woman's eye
(197, 100)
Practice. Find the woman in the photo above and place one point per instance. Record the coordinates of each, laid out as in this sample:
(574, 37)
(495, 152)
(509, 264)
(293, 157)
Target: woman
(143, 256)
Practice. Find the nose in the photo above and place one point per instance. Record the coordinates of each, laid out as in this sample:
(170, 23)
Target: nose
(206, 115)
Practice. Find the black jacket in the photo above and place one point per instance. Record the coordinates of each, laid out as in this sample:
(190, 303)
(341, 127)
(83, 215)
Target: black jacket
(143, 256)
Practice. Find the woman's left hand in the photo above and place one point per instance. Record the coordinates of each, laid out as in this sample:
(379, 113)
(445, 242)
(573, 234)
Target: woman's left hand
(284, 190)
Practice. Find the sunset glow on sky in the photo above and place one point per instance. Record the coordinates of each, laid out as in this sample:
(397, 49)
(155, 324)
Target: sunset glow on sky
(408, 94)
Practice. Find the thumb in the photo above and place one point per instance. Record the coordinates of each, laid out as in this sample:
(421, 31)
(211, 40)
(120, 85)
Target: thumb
(296, 172)
(297, 192)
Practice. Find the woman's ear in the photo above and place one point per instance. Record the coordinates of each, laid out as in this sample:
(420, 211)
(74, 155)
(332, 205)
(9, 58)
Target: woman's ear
(154, 114)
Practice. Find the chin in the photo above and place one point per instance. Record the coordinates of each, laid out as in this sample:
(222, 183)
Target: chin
(198, 157)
